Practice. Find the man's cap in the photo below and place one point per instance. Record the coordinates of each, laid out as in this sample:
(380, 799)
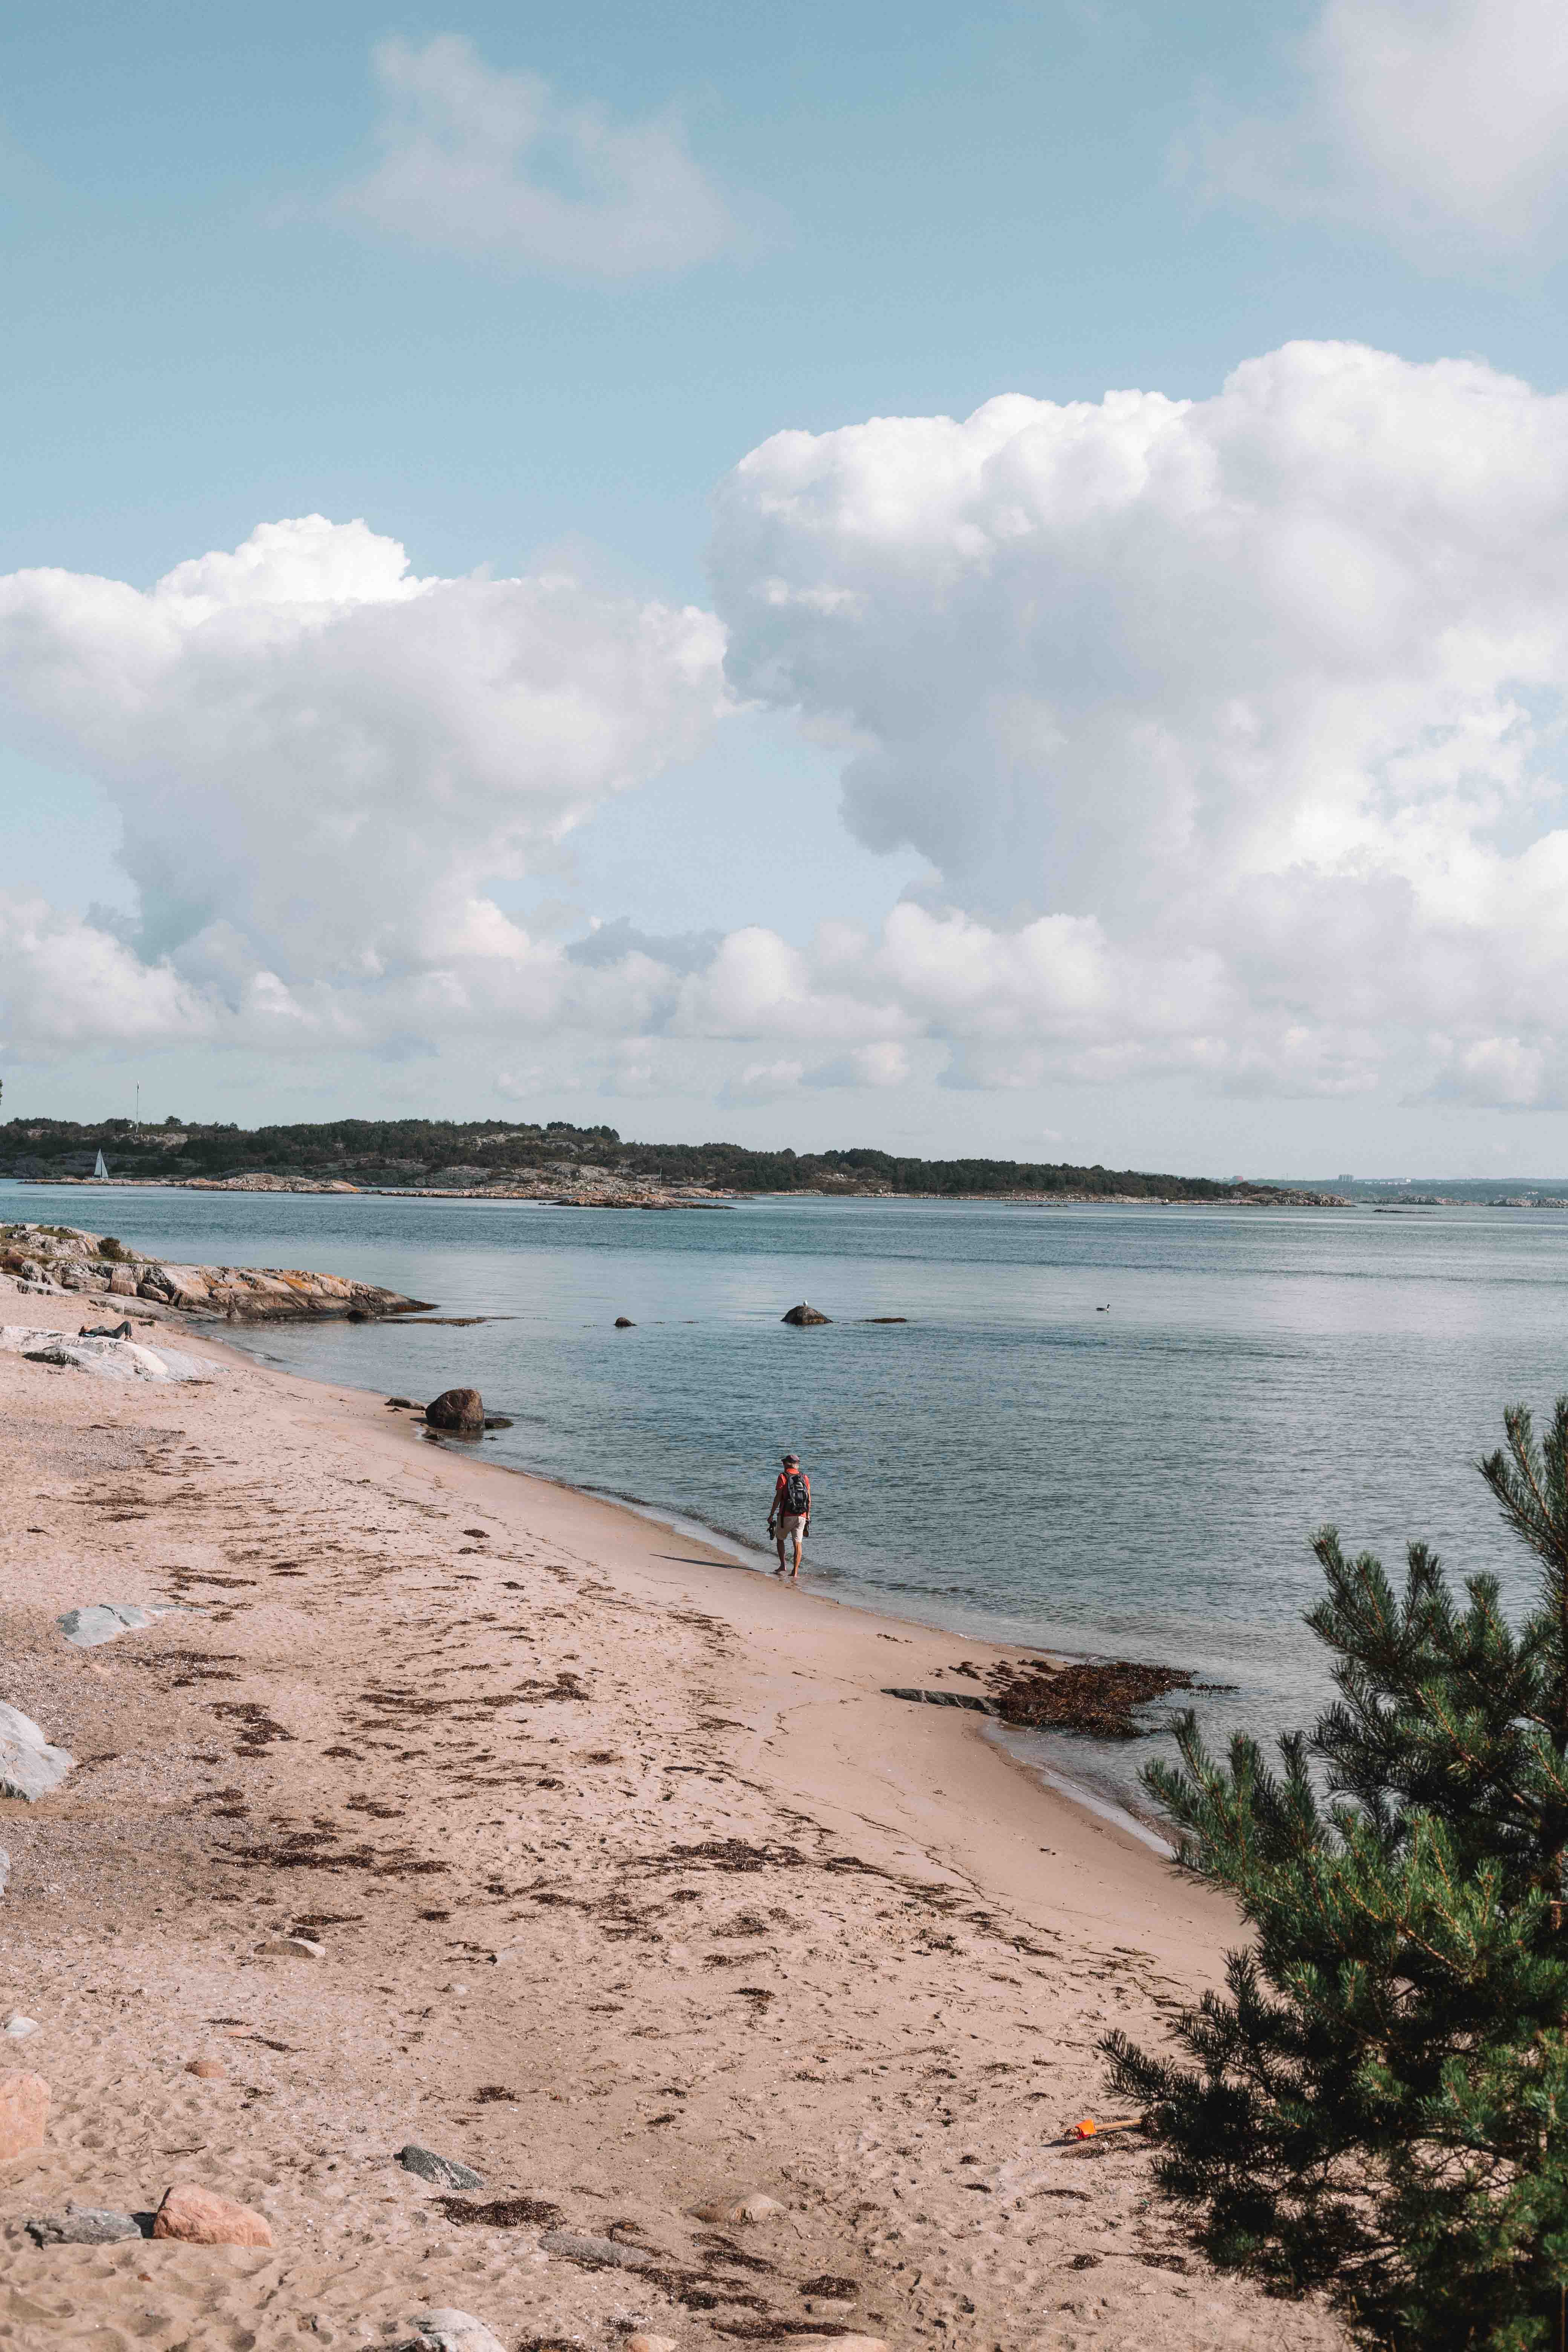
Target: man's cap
(790, 1457)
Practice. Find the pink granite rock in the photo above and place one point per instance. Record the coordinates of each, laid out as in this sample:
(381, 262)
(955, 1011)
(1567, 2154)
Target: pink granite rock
(202, 2218)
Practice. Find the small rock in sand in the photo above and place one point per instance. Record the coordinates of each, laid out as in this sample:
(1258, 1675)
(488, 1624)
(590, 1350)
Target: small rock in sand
(200, 2217)
(290, 1948)
(17, 2027)
(458, 1409)
(449, 2331)
(444, 2171)
(24, 2113)
(83, 2225)
(753, 2207)
(838, 2344)
(29, 1766)
(606, 2254)
(207, 2068)
(105, 1620)
(641, 2343)
(5, 1869)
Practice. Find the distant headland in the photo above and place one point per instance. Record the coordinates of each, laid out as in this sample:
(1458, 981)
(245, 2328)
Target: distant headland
(562, 1164)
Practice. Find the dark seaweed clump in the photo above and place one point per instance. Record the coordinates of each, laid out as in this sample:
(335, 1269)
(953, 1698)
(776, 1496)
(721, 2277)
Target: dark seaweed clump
(1095, 1697)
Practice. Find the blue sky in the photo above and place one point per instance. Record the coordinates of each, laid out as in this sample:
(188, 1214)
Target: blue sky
(223, 312)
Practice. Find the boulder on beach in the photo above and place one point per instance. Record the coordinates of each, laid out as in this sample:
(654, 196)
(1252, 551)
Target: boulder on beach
(201, 2217)
(107, 1359)
(449, 2330)
(462, 1410)
(29, 1766)
(446, 2171)
(24, 2114)
(105, 1620)
(83, 2225)
(805, 1314)
(597, 2254)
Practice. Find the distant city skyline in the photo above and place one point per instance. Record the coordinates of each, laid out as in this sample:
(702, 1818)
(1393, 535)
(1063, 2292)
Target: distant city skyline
(1000, 587)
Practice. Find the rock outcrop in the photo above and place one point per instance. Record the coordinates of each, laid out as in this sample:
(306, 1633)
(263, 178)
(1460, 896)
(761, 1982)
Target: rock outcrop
(805, 1314)
(60, 1257)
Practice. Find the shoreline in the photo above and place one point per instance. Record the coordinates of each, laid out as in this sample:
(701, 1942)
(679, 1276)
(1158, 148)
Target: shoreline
(194, 1295)
(571, 1197)
(1100, 1781)
(632, 1891)
(1096, 1797)
(1050, 1775)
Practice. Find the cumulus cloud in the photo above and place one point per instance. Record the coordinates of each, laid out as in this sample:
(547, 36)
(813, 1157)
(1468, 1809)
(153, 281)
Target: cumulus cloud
(784, 1078)
(319, 764)
(1423, 118)
(497, 167)
(1231, 729)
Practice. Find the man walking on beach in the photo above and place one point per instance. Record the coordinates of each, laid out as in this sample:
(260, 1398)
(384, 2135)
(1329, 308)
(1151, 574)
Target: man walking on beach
(790, 1519)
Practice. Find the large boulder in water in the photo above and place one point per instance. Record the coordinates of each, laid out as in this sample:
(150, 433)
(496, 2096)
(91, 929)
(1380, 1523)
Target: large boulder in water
(805, 1314)
(462, 1410)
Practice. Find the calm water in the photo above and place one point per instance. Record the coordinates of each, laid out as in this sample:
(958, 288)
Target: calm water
(1011, 1461)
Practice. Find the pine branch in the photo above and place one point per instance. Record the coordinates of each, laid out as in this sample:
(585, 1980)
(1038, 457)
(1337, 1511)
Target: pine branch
(1377, 2101)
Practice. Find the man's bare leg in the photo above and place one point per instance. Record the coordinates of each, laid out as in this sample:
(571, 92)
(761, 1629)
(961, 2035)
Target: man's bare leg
(795, 1577)
(782, 1540)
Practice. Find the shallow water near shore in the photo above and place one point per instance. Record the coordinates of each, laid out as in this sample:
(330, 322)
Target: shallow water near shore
(1108, 1429)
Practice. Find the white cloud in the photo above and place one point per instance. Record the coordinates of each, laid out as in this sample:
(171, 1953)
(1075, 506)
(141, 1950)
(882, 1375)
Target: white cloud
(867, 1065)
(1505, 1074)
(1232, 732)
(1422, 117)
(496, 166)
(321, 763)
(762, 1082)
(1233, 728)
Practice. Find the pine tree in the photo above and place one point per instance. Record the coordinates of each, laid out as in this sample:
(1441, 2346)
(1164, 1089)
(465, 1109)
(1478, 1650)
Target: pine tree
(1379, 2105)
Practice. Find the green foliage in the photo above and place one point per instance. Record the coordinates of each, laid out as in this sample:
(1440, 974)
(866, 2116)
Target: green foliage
(1379, 2107)
(408, 1151)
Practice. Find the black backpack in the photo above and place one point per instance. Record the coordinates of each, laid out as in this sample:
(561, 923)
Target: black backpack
(796, 1493)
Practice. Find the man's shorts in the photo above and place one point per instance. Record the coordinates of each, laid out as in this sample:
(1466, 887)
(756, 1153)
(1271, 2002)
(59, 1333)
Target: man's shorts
(791, 1523)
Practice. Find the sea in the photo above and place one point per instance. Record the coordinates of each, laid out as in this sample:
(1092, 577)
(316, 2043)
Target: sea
(1106, 1430)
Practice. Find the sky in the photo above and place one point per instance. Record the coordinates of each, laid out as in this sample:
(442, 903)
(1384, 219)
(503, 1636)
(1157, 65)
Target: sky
(974, 581)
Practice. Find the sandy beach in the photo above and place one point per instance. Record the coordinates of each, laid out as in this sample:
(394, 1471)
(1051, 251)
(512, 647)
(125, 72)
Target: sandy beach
(636, 1895)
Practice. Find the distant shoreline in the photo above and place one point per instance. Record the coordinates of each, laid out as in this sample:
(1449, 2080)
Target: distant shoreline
(572, 1197)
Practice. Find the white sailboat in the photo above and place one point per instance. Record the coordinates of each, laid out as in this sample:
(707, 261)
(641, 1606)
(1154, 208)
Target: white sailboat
(100, 1174)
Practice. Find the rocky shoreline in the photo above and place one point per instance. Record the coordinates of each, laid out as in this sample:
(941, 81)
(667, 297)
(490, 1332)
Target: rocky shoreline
(643, 1192)
(51, 1259)
(579, 1193)
(505, 1909)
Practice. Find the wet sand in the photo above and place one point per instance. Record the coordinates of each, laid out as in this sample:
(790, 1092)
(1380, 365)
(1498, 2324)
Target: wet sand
(635, 1893)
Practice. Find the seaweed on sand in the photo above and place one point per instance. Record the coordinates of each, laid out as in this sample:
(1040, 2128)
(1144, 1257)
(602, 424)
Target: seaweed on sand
(1099, 1698)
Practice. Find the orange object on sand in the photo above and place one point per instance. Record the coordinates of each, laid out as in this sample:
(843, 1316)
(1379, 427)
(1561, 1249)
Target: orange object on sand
(1085, 2130)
